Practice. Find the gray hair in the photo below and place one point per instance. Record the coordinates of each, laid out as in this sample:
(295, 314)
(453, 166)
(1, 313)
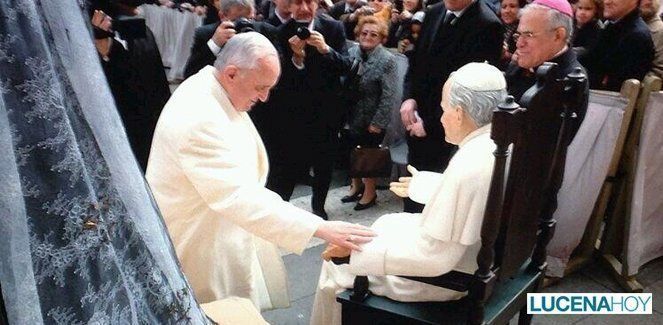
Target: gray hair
(478, 104)
(555, 18)
(226, 5)
(244, 50)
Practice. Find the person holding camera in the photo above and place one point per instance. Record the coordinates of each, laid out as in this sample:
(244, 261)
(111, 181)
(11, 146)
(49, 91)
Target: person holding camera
(403, 14)
(133, 68)
(235, 17)
(301, 121)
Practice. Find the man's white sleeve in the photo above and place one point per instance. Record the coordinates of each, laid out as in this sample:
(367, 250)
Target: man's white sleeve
(213, 47)
(423, 185)
(216, 173)
(411, 254)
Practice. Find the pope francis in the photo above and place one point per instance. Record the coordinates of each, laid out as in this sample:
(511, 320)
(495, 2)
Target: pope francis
(207, 170)
(446, 235)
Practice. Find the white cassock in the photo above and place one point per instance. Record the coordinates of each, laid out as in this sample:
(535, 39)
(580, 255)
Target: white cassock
(444, 237)
(207, 170)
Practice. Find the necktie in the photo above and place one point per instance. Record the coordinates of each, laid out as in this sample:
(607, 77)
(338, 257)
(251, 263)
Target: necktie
(449, 18)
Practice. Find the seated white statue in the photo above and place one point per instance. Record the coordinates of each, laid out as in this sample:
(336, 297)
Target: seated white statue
(446, 235)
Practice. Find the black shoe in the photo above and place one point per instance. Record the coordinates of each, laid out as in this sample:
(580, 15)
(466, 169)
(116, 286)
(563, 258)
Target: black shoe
(361, 206)
(352, 198)
(321, 213)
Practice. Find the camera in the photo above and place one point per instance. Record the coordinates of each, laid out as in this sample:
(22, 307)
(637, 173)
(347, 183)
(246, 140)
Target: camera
(129, 27)
(303, 32)
(398, 5)
(243, 25)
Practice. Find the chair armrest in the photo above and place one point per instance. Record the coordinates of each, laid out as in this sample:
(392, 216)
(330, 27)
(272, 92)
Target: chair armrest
(453, 280)
(341, 260)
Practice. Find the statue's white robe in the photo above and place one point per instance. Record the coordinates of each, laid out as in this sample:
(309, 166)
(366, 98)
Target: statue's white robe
(444, 237)
(207, 170)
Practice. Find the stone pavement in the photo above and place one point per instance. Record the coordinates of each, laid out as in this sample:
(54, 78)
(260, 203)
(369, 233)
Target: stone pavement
(304, 270)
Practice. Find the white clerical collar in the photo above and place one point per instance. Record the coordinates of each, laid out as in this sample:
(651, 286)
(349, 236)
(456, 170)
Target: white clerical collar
(283, 20)
(566, 47)
(482, 130)
(459, 13)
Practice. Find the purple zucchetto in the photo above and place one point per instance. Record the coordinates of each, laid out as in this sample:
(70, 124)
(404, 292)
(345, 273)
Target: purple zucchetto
(562, 6)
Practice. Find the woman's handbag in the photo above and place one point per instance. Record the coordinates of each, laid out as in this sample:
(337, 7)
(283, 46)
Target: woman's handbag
(370, 162)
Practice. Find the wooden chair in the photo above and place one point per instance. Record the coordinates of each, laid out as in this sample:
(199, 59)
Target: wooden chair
(615, 240)
(517, 222)
(584, 252)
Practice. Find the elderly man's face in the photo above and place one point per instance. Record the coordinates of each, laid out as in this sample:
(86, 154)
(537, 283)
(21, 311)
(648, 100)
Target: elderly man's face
(616, 9)
(248, 86)
(451, 117)
(303, 10)
(456, 5)
(537, 42)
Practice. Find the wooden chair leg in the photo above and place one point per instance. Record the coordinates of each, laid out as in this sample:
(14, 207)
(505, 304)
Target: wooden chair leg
(523, 317)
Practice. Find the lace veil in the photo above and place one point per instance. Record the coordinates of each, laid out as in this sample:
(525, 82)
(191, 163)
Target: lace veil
(81, 239)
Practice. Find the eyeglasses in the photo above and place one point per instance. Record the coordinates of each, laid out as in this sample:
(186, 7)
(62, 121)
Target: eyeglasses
(376, 0)
(367, 34)
(528, 35)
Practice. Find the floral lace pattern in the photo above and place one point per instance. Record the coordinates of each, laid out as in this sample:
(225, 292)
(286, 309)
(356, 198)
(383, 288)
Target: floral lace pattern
(88, 257)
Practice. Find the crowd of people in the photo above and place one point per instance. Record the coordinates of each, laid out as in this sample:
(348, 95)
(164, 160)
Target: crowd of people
(270, 85)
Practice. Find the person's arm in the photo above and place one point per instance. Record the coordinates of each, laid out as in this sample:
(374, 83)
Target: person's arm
(333, 51)
(212, 166)
(423, 185)
(396, 254)
(201, 55)
(205, 50)
(210, 163)
(657, 64)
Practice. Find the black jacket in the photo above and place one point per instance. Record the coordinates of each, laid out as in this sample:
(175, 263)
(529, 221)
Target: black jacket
(623, 51)
(475, 36)
(585, 38)
(202, 56)
(304, 103)
(519, 80)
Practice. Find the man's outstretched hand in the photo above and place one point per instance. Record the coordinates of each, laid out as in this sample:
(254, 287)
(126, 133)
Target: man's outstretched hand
(344, 234)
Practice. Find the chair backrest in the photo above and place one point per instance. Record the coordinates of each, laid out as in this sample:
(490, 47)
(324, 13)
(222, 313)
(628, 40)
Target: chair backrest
(518, 220)
(615, 240)
(585, 221)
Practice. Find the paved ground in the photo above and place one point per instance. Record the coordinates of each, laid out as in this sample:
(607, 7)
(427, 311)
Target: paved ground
(303, 271)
